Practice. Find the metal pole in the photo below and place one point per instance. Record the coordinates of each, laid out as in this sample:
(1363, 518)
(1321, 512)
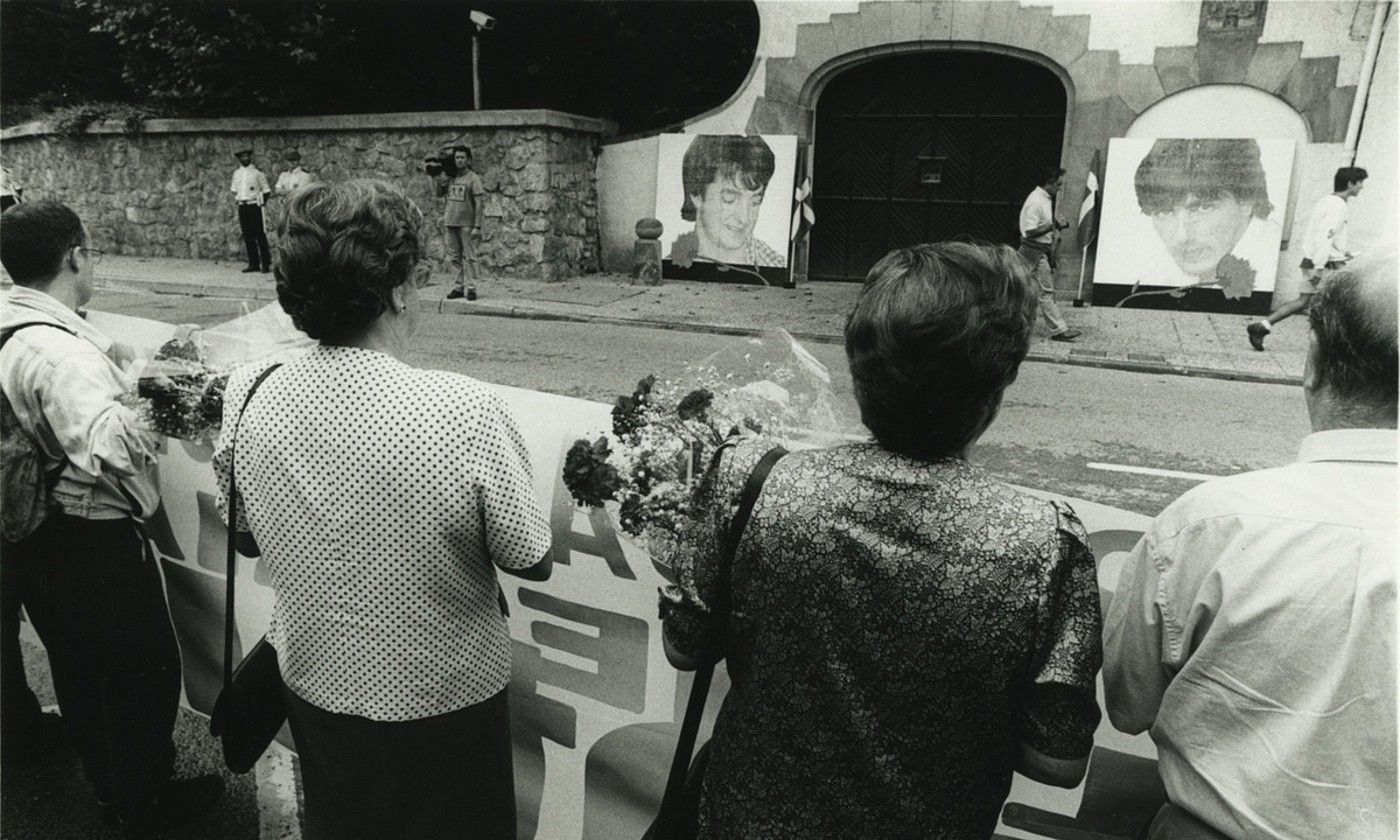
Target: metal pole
(476, 71)
(1363, 88)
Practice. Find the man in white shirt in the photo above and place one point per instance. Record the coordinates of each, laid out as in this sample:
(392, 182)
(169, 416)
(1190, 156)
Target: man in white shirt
(1253, 627)
(87, 577)
(1324, 248)
(251, 191)
(294, 178)
(11, 193)
(1039, 234)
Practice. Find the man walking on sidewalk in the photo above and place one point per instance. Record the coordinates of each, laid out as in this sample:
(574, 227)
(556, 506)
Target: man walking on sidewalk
(86, 574)
(1039, 237)
(1324, 248)
(251, 191)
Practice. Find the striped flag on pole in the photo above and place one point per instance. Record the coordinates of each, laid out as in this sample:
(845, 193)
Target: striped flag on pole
(803, 217)
(1089, 211)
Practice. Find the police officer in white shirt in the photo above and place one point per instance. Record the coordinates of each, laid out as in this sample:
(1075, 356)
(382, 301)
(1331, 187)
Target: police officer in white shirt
(1324, 248)
(251, 191)
(294, 178)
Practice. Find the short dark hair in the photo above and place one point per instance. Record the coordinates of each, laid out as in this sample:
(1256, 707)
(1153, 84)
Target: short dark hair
(342, 249)
(1050, 173)
(744, 158)
(466, 149)
(1353, 320)
(937, 333)
(1206, 168)
(1346, 176)
(34, 237)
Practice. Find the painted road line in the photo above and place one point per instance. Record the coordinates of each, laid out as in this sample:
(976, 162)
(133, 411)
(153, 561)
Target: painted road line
(1185, 476)
(277, 795)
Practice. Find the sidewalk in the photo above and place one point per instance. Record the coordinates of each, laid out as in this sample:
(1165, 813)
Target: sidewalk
(1189, 344)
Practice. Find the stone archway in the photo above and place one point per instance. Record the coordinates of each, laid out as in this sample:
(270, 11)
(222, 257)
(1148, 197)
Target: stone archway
(1105, 96)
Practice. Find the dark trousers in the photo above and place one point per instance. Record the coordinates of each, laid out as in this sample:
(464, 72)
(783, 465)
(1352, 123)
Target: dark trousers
(250, 219)
(95, 597)
(19, 708)
(448, 776)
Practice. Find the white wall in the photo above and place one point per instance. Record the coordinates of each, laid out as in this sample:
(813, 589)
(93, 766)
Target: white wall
(1118, 24)
(1324, 27)
(1374, 217)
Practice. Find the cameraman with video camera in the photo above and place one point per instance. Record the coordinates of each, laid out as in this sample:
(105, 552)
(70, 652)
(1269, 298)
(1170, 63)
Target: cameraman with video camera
(453, 178)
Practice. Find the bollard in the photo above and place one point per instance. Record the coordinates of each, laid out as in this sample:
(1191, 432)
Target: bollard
(646, 253)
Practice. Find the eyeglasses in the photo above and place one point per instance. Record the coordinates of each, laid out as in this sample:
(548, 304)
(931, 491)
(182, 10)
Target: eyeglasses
(94, 254)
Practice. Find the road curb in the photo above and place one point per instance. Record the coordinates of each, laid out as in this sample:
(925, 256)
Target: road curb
(498, 310)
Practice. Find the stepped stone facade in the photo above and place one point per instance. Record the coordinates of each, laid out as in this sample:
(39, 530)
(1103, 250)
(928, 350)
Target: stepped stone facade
(164, 192)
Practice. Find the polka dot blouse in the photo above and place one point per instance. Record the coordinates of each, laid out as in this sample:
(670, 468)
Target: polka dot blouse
(381, 496)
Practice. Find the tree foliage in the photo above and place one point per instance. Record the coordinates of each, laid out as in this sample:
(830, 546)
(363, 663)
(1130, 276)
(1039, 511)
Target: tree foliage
(646, 65)
(211, 58)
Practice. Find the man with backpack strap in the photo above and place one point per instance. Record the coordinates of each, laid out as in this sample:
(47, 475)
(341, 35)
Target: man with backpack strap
(85, 574)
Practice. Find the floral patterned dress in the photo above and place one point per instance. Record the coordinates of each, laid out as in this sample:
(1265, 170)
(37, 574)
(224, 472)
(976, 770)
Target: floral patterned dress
(896, 630)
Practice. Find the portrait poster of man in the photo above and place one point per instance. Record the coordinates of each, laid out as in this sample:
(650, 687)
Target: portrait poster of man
(725, 206)
(1192, 224)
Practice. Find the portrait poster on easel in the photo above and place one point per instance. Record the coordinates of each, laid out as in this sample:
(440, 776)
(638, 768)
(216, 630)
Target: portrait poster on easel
(1192, 224)
(725, 205)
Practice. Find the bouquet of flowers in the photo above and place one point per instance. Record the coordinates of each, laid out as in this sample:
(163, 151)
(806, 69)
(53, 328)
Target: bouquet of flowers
(179, 391)
(665, 433)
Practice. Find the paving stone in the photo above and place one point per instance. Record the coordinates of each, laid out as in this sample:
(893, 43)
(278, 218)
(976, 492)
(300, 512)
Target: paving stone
(969, 19)
(1095, 75)
(1065, 39)
(816, 42)
(905, 18)
(1272, 64)
(1329, 116)
(1224, 61)
(1176, 68)
(1139, 86)
(1311, 80)
(936, 22)
(875, 23)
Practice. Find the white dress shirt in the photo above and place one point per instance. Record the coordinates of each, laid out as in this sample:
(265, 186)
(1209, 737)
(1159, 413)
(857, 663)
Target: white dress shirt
(65, 389)
(1326, 237)
(293, 180)
(249, 184)
(381, 495)
(1038, 209)
(1253, 631)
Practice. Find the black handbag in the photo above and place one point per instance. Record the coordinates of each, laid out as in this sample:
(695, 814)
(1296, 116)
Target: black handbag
(251, 708)
(678, 818)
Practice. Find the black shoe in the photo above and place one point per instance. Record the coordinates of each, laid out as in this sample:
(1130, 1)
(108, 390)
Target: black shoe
(44, 739)
(456, 293)
(179, 802)
(1256, 332)
(471, 294)
(250, 269)
(1067, 335)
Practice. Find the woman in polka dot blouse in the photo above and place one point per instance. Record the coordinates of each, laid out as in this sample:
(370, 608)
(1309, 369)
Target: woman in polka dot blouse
(383, 497)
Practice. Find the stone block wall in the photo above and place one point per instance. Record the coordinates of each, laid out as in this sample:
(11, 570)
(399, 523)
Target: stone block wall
(165, 191)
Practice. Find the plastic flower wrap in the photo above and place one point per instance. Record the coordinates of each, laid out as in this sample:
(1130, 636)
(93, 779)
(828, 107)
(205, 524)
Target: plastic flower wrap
(179, 391)
(665, 433)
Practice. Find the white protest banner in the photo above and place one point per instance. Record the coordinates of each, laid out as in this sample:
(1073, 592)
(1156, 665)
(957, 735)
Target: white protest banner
(595, 705)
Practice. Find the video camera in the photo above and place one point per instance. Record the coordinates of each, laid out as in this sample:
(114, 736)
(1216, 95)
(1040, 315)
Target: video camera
(442, 163)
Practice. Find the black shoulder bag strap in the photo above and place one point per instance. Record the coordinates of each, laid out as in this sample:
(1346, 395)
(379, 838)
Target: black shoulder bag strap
(232, 565)
(700, 688)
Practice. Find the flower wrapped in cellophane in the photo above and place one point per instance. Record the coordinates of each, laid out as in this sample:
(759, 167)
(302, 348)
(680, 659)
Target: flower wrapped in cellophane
(665, 433)
(179, 390)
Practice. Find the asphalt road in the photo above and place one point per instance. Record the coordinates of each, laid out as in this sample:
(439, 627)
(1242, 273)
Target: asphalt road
(1055, 423)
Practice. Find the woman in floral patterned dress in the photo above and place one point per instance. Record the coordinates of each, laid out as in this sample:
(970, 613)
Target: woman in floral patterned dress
(904, 631)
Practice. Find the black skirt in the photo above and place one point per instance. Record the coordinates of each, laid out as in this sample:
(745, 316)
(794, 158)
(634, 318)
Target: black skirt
(448, 776)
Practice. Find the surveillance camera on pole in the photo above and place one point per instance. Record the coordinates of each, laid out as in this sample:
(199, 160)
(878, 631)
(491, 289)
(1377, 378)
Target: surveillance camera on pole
(480, 22)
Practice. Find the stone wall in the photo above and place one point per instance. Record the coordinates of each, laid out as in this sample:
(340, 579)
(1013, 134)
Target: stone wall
(165, 191)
